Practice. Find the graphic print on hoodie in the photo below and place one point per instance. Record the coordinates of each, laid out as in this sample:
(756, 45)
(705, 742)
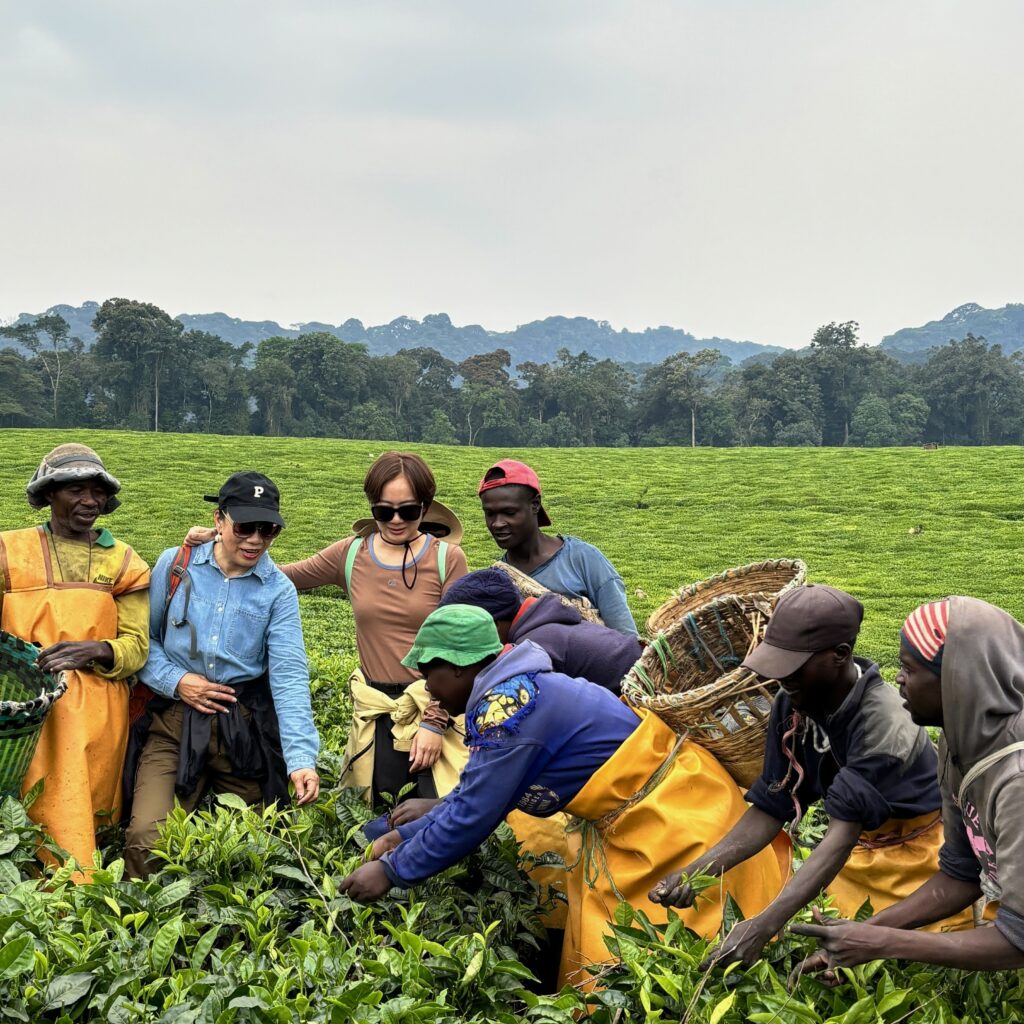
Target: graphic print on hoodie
(535, 737)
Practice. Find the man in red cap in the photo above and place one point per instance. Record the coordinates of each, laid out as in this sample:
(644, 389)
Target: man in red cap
(840, 734)
(510, 495)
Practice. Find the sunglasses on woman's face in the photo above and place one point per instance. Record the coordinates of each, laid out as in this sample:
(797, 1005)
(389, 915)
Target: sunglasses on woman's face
(408, 513)
(267, 531)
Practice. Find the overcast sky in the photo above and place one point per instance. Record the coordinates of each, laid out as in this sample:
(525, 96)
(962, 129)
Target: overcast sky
(742, 169)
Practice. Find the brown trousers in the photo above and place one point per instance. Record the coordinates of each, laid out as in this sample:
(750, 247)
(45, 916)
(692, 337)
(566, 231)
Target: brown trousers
(154, 785)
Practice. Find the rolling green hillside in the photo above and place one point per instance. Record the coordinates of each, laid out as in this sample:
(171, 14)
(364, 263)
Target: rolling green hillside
(847, 512)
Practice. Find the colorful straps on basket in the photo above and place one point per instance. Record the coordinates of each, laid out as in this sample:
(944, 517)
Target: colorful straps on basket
(663, 650)
(731, 659)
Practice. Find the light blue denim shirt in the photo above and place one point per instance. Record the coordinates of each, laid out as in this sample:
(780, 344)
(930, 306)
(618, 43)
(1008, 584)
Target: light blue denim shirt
(245, 625)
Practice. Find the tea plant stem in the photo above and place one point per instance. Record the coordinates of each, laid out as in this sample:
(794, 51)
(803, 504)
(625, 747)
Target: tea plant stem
(315, 887)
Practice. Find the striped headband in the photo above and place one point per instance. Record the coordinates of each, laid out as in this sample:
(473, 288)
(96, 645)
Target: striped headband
(924, 633)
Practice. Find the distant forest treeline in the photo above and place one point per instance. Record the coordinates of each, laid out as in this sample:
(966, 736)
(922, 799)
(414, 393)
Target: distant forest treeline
(147, 371)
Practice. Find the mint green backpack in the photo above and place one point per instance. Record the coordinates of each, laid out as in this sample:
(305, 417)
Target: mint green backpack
(353, 550)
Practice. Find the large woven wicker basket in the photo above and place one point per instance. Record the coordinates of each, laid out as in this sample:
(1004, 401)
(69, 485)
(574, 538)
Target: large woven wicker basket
(728, 717)
(760, 582)
(26, 696)
(691, 677)
(529, 587)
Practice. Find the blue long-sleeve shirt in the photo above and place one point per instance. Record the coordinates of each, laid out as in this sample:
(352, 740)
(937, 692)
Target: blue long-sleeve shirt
(578, 569)
(535, 737)
(245, 625)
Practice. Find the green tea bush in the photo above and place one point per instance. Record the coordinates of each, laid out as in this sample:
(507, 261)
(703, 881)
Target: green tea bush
(656, 978)
(244, 921)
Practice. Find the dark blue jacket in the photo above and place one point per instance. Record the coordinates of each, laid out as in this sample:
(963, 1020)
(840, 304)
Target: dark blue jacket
(535, 738)
(577, 648)
(876, 765)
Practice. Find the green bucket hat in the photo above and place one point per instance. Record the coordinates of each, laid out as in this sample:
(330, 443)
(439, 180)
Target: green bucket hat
(460, 634)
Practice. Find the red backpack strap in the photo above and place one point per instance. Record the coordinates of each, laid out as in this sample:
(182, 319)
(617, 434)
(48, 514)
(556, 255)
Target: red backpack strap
(177, 575)
(178, 569)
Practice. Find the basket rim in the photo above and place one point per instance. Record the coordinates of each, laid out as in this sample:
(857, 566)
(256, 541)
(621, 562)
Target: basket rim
(686, 593)
(36, 707)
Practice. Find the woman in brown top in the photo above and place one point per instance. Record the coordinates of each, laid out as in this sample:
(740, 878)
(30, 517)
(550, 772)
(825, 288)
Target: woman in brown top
(395, 578)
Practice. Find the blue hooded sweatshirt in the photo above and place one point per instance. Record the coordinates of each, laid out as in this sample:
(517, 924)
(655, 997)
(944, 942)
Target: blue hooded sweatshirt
(535, 738)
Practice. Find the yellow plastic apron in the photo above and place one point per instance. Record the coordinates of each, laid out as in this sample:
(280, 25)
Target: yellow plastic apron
(890, 863)
(690, 810)
(81, 748)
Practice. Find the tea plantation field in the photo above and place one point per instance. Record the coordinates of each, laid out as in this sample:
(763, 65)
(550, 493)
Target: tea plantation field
(245, 921)
(895, 527)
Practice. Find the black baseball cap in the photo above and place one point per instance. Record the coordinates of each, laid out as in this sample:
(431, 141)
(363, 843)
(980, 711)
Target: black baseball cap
(249, 498)
(806, 620)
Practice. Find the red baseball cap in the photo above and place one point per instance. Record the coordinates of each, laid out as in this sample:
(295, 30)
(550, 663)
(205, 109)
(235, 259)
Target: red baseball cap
(509, 471)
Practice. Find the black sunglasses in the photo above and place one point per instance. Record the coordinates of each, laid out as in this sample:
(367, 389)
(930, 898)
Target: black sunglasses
(268, 531)
(408, 513)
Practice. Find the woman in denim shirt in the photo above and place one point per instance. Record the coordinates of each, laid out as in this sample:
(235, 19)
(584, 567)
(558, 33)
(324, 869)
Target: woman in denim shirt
(228, 665)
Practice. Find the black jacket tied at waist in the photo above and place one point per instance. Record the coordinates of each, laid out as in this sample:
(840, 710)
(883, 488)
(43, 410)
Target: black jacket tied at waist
(253, 743)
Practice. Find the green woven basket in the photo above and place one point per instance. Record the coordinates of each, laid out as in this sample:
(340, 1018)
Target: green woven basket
(26, 696)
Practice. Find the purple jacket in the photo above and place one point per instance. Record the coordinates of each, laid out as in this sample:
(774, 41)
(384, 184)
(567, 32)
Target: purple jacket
(577, 648)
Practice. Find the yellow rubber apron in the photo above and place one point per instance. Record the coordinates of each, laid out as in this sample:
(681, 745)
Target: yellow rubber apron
(628, 844)
(81, 748)
(891, 862)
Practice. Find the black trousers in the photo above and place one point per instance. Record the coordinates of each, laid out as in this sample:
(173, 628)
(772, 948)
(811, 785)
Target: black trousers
(391, 767)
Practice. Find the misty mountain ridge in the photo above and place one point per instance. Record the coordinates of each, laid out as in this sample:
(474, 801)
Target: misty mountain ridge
(1003, 326)
(539, 340)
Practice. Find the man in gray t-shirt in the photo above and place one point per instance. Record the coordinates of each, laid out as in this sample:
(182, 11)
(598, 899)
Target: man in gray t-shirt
(510, 495)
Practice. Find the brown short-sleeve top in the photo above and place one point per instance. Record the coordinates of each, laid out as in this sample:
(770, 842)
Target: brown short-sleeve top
(388, 614)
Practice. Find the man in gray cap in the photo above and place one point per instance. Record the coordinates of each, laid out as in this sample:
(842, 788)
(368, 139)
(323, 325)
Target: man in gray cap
(840, 734)
(83, 597)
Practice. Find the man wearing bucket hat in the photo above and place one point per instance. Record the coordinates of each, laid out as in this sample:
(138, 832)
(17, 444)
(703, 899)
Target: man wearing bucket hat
(542, 742)
(82, 596)
(837, 733)
(511, 498)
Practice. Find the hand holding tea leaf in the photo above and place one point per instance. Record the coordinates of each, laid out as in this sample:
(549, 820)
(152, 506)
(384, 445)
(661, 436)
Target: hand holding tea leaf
(815, 965)
(367, 883)
(743, 944)
(411, 810)
(844, 943)
(385, 844)
(680, 889)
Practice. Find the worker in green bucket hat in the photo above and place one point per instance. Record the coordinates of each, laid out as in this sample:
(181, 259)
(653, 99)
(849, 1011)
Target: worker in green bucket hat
(541, 742)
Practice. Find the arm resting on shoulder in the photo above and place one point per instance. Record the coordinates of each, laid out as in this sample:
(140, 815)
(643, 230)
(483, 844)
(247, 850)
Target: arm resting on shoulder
(323, 569)
(160, 673)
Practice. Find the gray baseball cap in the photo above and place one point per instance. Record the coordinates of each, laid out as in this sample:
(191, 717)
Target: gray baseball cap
(806, 620)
